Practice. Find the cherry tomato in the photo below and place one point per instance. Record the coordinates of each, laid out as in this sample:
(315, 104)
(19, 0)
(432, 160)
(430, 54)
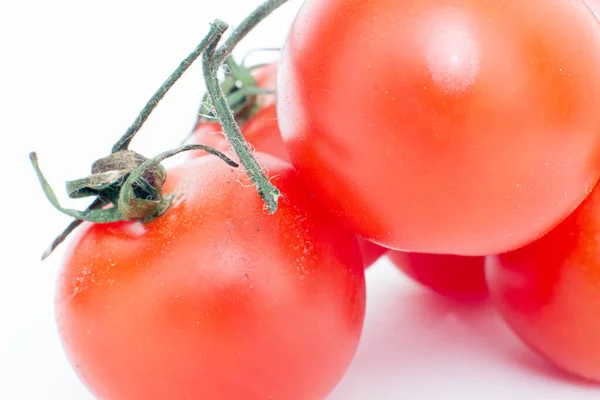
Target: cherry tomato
(215, 299)
(458, 277)
(266, 78)
(463, 127)
(261, 130)
(548, 291)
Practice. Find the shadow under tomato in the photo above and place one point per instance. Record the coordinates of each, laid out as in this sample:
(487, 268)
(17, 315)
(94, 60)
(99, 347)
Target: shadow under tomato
(530, 361)
(417, 340)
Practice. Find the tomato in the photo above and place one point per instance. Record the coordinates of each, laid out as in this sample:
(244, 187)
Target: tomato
(261, 130)
(215, 299)
(458, 277)
(444, 126)
(370, 252)
(548, 291)
(266, 78)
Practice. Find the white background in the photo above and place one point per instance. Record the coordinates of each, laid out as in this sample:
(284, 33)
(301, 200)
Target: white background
(74, 74)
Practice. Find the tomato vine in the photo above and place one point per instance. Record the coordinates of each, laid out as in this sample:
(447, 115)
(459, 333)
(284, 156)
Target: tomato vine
(132, 183)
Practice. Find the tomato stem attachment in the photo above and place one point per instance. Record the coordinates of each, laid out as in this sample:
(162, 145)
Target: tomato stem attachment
(269, 193)
(216, 30)
(212, 59)
(135, 194)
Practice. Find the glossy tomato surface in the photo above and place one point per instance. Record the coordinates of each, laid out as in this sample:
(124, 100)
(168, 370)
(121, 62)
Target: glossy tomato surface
(444, 126)
(549, 291)
(215, 299)
(458, 277)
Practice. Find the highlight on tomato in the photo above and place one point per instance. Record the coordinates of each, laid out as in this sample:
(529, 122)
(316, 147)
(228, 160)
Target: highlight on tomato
(548, 291)
(215, 298)
(427, 128)
(457, 277)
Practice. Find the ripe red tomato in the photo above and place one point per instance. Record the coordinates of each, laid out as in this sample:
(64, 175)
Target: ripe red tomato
(261, 130)
(548, 291)
(215, 299)
(458, 277)
(463, 127)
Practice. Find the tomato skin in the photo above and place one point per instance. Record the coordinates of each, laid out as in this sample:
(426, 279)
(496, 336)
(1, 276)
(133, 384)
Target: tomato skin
(458, 277)
(215, 299)
(444, 126)
(548, 291)
(261, 130)
(266, 78)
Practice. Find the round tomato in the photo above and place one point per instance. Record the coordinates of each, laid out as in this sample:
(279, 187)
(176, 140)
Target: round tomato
(215, 299)
(458, 277)
(444, 126)
(261, 129)
(548, 291)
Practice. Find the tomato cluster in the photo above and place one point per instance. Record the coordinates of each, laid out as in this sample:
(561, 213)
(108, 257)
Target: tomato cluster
(457, 138)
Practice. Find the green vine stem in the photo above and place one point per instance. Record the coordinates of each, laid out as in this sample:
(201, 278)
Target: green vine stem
(263, 11)
(98, 203)
(212, 60)
(216, 31)
(269, 193)
(90, 214)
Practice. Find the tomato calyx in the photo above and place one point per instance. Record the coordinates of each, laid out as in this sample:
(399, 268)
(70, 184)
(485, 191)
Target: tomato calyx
(127, 186)
(241, 91)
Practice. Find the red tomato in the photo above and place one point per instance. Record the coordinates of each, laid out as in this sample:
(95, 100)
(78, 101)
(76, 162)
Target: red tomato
(458, 277)
(261, 130)
(266, 78)
(370, 251)
(444, 126)
(215, 299)
(548, 291)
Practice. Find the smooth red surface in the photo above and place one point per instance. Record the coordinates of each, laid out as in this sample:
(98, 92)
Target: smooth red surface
(215, 299)
(458, 277)
(444, 126)
(549, 291)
